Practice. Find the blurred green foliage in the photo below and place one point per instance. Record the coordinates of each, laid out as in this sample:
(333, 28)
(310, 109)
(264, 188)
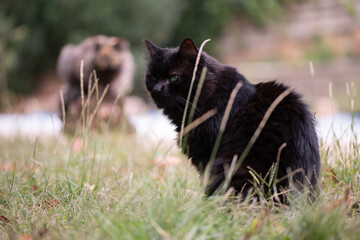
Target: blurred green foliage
(33, 32)
(320, 51)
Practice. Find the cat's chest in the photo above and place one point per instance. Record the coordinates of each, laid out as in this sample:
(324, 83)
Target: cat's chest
(201, 140)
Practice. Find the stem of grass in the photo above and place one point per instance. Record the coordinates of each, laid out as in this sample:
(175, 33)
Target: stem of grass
(189, 94)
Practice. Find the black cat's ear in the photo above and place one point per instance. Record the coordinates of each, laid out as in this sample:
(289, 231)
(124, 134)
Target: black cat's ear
(153, 49)
(188, 47)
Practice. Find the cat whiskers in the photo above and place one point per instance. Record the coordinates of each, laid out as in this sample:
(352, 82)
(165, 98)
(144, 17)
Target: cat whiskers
(183, 101)
(173, 103)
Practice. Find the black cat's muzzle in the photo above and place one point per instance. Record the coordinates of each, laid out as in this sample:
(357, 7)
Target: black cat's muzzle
(160, 98)
(161, 87)
(159, 92)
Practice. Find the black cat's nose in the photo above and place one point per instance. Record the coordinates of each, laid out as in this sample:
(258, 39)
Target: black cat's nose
(160, 87)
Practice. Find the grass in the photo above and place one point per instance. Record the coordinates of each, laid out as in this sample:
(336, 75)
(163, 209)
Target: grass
(115, 186)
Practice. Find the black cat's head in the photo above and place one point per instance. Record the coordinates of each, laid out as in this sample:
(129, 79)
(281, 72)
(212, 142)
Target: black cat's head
(169, 74)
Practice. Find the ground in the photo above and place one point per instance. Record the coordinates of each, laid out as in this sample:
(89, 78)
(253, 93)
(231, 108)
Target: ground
(117, 186)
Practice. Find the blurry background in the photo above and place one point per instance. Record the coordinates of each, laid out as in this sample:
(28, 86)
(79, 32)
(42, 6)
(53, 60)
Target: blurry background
(265, 39)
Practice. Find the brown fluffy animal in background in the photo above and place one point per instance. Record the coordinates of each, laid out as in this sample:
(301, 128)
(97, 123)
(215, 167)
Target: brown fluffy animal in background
(113, 63)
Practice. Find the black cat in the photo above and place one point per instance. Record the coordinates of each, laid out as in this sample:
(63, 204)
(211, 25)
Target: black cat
(168, 80)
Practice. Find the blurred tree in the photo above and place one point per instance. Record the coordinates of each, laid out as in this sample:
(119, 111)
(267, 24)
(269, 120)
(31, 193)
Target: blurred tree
(201, 19)
(206, 18)
(32, 32)
(259, 11)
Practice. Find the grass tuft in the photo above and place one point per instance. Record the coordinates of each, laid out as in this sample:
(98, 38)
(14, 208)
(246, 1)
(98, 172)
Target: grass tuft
(112, 186)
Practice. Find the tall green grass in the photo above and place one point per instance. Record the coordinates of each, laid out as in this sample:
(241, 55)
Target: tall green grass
(113, 186)
(116, 187)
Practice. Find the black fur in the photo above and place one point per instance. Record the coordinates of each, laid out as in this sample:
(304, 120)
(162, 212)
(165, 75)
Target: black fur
(290, 123)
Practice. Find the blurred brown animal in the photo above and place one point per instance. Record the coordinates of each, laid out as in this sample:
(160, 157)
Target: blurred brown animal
(113, 63)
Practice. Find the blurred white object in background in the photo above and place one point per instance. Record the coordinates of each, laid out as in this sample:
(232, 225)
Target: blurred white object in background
(154, 125)
(341, 126)
(338, 126)
(30, 125)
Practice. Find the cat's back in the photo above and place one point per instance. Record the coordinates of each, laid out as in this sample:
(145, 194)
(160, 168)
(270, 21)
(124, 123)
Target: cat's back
(286, 112)
(290, 108)
(290, 122)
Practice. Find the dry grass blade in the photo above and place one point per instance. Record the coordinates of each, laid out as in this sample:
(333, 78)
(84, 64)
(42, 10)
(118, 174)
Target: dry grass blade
(85, 110)
(199, 121)
(274, 177)
(91, 92)
(230, 172)
(82, 83)
(82, 94)
(221, 131)
(162, 232)
(225, 119)
(62, 107)
(89, 83)
(229, 106)
(345, 202)
(190, 90)
(194, 105)
(197, 94)
(253, 138)
(263, 123)
(117, 99)
(98, 104)
(261, 126)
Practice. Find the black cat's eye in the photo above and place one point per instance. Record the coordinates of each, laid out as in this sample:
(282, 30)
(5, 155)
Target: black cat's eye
(153, 78)
(174, 77)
